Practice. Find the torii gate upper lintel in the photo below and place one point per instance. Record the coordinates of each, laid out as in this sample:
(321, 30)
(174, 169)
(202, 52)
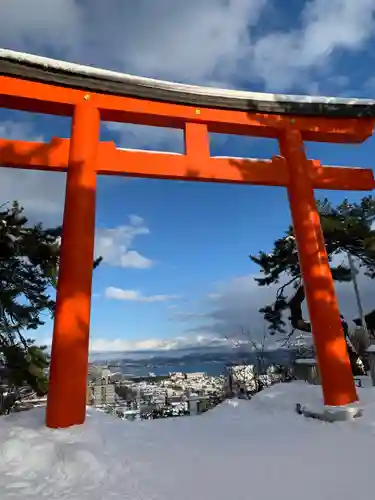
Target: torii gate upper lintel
(89, 95)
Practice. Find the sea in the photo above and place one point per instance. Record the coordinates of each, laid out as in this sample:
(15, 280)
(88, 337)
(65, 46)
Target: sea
(211, 367)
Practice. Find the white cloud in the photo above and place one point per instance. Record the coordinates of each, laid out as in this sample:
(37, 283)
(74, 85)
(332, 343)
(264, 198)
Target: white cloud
(136, 296)
(18, 130)
(211, 42)
(41, 193)
(100, 344)
(48, 24)
(191, 41)
(235, 305)
(115, 244)
(232, 306)
(144, 137)
(155, 344)
(282, 59)
(186, 316)
(136, 220)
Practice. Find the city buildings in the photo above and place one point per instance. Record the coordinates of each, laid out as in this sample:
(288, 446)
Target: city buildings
(100, 388)
(151, 396)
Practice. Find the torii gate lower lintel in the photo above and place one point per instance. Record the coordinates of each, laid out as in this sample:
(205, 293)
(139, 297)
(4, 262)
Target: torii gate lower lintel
(42, 85)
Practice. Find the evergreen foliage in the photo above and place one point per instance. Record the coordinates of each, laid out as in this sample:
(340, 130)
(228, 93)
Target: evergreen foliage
(347, 228)
(29, 262)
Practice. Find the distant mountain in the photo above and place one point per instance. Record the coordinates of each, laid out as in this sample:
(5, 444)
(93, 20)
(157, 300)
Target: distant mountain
(189, 356)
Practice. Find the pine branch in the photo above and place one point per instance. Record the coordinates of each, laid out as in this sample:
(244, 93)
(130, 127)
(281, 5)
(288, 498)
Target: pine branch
(347, 228)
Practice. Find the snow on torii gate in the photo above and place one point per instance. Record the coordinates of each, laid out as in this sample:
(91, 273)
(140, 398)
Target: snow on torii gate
(42, 85)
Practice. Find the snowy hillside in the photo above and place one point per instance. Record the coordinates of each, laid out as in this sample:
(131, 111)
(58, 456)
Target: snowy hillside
(259, 449)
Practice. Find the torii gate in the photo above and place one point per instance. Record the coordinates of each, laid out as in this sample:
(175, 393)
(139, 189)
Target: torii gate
(42, 85)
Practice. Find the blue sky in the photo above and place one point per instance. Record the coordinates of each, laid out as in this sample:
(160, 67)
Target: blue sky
(176, 271)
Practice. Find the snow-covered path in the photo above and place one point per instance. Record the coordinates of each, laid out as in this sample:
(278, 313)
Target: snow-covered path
(259, 449)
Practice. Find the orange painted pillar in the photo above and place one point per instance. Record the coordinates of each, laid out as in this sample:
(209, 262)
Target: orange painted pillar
(66, 404)
(197, 143)
(332, 356)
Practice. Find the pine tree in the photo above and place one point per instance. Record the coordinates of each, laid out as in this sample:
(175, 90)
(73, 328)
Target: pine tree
(347, 228)
(29, 260)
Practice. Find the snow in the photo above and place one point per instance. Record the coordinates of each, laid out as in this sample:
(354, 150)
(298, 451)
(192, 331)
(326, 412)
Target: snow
(49, 64)
(131, 150)
(305, 361)
(259, 449)
(255, 160)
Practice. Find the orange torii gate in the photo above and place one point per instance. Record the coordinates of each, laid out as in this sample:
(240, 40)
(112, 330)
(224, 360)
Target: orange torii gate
(42, 85)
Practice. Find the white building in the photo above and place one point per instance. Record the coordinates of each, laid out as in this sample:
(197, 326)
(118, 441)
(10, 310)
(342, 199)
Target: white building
(241, 377)
(195, 375)
(101, 394)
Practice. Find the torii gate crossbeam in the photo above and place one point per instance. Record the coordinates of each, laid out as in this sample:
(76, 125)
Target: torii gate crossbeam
(43, 85)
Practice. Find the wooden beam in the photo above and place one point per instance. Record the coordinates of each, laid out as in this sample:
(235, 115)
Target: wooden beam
(16, 93)
(182, 167)
(35, 155)
(90, 79)
(132, 163)
(341, 178)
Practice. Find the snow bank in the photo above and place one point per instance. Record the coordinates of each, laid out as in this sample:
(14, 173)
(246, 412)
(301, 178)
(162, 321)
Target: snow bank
(259, 449)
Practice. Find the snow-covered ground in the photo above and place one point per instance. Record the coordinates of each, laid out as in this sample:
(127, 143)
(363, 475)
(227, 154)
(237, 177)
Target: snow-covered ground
(259, 449)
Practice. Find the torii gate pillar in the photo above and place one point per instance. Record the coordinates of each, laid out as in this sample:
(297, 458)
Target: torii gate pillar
(331, 350)
(69, 359)
(40, 85)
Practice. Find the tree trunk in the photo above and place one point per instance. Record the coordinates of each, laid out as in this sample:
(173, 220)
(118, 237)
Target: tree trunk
(295, 306)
